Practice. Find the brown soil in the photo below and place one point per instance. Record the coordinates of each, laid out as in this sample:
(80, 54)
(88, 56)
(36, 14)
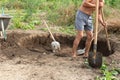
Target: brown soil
(28, 56)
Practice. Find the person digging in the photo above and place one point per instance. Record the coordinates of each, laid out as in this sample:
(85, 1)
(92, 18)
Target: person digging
(83, 22)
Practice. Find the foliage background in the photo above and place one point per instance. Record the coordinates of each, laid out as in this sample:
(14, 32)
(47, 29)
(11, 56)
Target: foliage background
(29, 13)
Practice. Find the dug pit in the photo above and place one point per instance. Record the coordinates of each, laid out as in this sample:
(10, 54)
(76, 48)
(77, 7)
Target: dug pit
(42, 43)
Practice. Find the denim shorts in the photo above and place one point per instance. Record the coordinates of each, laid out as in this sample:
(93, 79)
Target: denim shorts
(83, 21)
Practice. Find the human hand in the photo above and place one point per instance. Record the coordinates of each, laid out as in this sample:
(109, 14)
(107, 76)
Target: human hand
(104, 24)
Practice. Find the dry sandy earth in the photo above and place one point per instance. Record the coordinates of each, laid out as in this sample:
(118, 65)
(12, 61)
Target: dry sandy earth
(28, 56)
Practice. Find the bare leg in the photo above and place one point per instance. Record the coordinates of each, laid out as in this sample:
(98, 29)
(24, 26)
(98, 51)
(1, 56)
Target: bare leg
(88, 42)
(76, 42)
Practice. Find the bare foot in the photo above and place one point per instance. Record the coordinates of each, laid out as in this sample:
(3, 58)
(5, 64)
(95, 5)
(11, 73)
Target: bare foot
(74, 55)
(85, 55)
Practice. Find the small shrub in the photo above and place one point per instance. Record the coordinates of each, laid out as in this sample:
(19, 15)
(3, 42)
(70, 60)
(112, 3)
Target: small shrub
(30, 26)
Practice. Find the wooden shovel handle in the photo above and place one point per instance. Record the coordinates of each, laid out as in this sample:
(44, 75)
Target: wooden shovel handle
(49, 30)
(96, 27)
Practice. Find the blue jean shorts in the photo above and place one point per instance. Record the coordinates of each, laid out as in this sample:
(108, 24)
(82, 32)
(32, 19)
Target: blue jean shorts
(83, 21)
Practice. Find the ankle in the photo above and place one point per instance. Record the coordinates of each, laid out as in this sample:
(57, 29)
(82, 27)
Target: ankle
(74, 55)
(85, 53)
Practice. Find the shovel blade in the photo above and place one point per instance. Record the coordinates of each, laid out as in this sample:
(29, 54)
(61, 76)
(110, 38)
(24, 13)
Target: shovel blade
(95, 62)
(81, 51)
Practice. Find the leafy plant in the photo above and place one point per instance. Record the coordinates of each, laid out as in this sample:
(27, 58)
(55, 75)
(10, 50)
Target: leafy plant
(30, 26)
(17, 20)
(107, 74)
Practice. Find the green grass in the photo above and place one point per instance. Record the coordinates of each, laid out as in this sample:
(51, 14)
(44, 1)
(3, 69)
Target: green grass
(68, 30)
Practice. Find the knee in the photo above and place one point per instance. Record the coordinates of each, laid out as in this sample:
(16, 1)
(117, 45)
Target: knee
(90, 37)
(77, 39)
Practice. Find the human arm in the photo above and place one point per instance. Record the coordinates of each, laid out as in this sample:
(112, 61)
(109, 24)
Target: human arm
(100, 15)
(101, 3)
(101, 18)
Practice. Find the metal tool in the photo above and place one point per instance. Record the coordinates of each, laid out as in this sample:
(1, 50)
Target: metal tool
(4, 21)
(106, 32)
(55, 44)
(95, 58)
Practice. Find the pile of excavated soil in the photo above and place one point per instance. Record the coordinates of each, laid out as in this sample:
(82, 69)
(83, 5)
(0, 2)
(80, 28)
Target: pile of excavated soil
(28, 56)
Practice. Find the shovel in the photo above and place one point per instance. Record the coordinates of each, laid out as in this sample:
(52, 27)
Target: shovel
(95, 58)
(106, 32)
(55, 44)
